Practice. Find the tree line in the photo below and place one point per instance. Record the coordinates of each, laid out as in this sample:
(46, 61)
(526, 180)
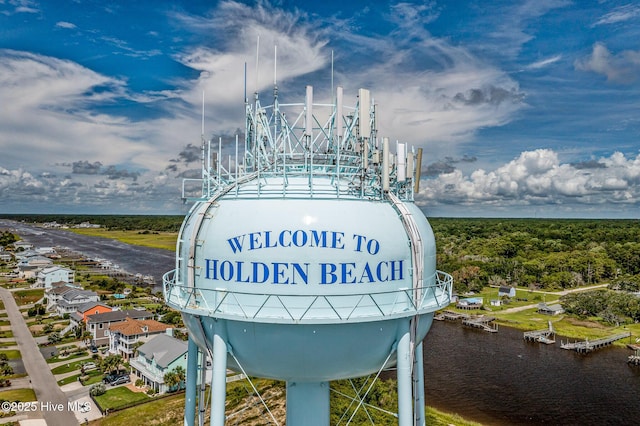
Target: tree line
(159, 223)
(548, 254)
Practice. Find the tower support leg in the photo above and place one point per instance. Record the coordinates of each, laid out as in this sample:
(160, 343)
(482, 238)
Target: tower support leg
(191, 384)
(419, 372)
(308, 403)
(219, 380)
(405, 385)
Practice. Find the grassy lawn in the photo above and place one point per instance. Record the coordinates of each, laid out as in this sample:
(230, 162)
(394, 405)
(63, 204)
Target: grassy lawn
(67, 380)
(529, 319)
(163, 240)
(66, 368)
(158, 412)
(24, 297)
(119, 397)
(23, 395)
(6, 333)
(11, 354)
(57, 358)
(170, 411)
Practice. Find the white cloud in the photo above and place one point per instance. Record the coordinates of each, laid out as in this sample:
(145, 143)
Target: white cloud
(619, 14)
(621, 68)
(544, 62)
(67, 25)
(537, 178)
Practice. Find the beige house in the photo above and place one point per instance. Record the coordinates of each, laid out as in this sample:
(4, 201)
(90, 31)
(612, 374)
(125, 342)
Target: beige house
(127, 335)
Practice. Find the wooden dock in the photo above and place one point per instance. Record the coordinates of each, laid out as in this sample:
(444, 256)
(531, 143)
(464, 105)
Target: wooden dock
(588, 346)
(450, 316)
(546, 336)
(541, 336)
(481, 322)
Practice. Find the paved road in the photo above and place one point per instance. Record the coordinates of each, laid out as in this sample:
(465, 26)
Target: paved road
(42, 380)
(561, 293)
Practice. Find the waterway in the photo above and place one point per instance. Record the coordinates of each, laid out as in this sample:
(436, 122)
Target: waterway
(492, 378)
(130, 258)
(499, 379)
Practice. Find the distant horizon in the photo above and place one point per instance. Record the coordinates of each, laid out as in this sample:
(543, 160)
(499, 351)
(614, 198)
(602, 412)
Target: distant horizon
(6, 215)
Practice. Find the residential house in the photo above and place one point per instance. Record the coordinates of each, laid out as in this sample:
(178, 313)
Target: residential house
(127, 335)
(22, 245)
(157, 357)
(28, 267)
(470, 303)
(543, 308)
(79, 317)
(72, 299)
(53, 274)
(507, 291)
(55, 292)
(98, 324)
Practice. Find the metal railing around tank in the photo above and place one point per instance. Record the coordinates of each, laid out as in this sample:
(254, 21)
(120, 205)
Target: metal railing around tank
(305, 308)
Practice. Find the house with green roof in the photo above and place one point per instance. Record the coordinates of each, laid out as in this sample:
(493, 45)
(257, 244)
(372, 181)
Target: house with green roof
(157, 357)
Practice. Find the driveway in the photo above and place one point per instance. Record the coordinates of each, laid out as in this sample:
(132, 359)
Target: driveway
(52, 402)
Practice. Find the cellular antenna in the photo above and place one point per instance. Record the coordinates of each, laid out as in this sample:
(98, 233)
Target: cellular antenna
(332, 72)
(245, 84)
(257, 61)
(202, 115)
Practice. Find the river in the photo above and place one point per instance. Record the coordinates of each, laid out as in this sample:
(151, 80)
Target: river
(499, 379)
(133, 259)
(492, 378)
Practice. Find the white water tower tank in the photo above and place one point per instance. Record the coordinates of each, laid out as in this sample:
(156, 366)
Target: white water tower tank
(309, 262)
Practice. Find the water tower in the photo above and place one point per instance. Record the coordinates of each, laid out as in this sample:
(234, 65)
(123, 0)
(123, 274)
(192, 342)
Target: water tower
(304, 259)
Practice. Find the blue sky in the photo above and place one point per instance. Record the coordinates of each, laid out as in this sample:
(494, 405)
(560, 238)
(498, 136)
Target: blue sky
(523, 107)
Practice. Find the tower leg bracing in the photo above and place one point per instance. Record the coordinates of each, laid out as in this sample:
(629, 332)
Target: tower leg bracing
(308, 403)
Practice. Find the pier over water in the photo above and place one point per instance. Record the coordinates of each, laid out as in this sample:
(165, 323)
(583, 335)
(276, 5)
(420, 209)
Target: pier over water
(592, 345)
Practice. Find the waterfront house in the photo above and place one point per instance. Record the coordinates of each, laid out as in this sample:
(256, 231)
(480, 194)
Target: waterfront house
(98, 324)
(28, 267)
(543, 308)
(470, 303)
(22, 245)
(54, 274)
(157, 357)
(127, 335)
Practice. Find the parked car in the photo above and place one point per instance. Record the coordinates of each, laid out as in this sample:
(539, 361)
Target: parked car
(121, 380)
(115, 375)
(88, 366)
(94, 349)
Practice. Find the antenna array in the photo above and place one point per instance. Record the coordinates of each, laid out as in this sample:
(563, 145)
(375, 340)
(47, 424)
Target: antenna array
(334, 148)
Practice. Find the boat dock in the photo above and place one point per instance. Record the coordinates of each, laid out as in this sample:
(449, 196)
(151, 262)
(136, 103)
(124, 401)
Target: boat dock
(450, 316)
(482, 322)
(546, 336)
(540, 336)
(588, 346)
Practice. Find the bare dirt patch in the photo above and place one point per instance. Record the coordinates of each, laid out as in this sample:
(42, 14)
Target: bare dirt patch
(586, 324)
